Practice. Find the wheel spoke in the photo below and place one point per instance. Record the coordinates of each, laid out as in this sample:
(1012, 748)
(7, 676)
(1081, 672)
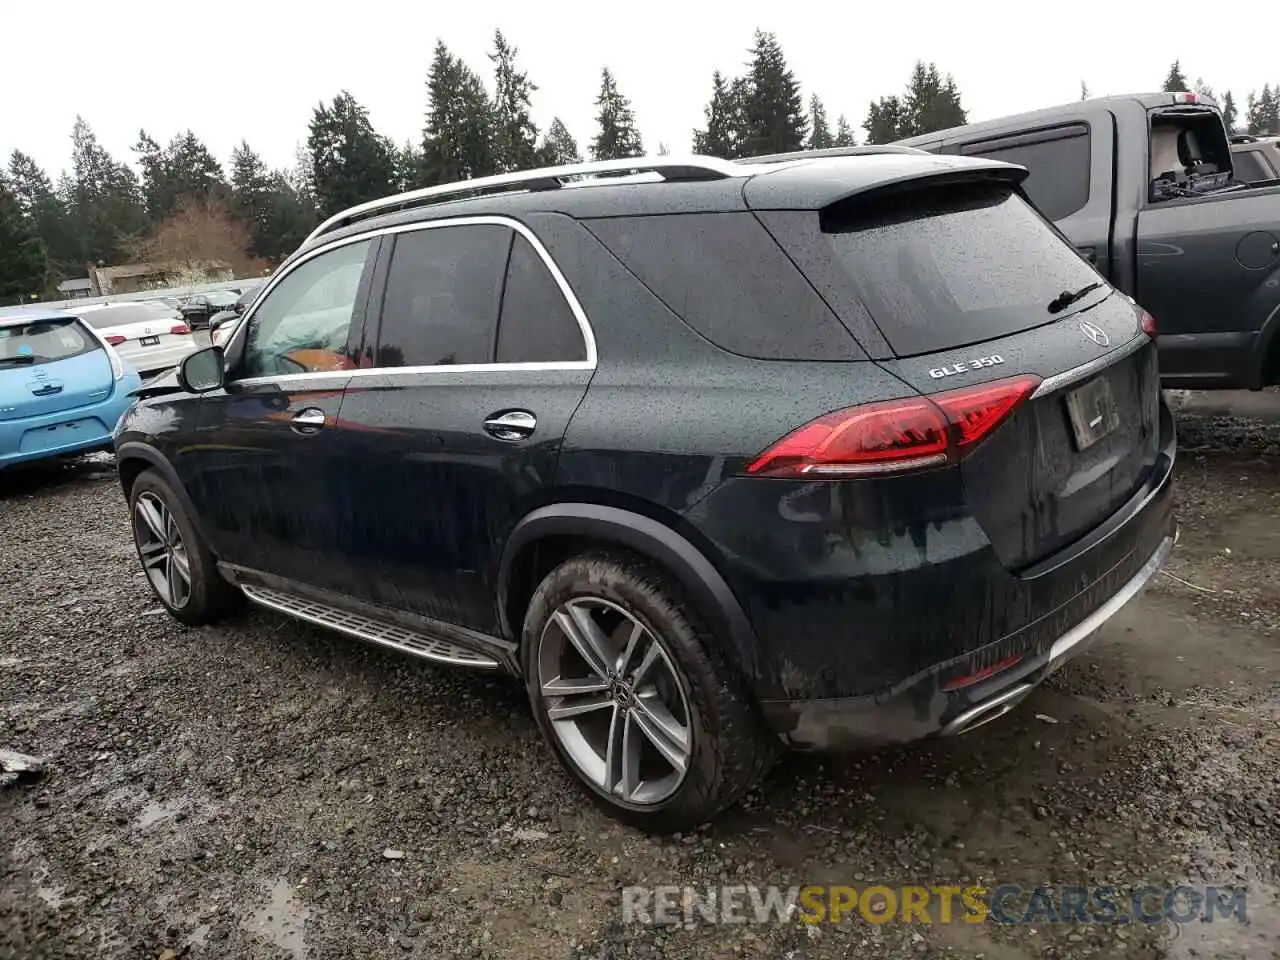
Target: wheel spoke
(586, 636)
(153, 553)
(615, 751)
(183, 566)
(572, 686)
(171, 579)
(632, 742)
(651, 656)
(633, 641)
(663, 730)
(563, 711)
(152, 518)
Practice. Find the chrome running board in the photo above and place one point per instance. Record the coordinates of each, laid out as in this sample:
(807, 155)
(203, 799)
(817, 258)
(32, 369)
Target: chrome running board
(368, 628)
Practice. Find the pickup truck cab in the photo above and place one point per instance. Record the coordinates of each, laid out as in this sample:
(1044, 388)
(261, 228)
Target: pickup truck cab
(1143, 187)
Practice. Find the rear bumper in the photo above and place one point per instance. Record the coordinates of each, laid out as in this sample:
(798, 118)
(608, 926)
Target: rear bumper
(148, 359)
(67, 431)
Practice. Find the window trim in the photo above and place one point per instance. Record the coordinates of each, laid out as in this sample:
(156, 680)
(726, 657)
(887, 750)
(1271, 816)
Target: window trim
(575, 307)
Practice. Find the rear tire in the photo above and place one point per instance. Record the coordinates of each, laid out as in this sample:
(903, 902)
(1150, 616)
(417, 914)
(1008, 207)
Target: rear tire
(650, 722)
(179, 567)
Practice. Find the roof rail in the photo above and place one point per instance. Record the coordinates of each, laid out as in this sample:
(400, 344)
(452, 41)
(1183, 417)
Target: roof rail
(869, 150)
(545, 178)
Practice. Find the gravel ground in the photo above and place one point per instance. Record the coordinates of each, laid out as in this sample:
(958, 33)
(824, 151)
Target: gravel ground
(265, 789)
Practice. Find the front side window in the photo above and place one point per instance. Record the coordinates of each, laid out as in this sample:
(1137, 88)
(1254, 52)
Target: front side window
(303, 324)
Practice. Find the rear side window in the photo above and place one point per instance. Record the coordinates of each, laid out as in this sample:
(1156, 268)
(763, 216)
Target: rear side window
(42, 341)
(1250, 166)
(1058, 164)
(537, 325)
(943, 268)
(444, 289)
(730, 281)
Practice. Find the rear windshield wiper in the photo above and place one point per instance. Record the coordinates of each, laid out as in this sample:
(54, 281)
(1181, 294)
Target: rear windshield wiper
(1067, 297)
(20, 358)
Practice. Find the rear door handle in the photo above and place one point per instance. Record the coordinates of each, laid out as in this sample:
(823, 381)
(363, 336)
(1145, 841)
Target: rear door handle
(309, 420)
(512, 425)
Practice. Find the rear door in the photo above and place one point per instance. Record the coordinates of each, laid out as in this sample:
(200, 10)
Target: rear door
(264, 469)
(482, 356)
(965, 284)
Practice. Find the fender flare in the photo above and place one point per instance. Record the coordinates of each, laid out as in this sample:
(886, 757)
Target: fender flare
(651, 539)
(137, 450)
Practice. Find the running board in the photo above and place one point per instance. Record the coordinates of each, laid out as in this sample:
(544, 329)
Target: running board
(367, 628)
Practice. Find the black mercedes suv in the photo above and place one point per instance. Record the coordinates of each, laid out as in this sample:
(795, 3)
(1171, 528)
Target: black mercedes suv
(819, 451)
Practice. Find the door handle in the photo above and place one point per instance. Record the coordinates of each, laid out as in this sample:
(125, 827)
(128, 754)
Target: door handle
(512, 425)
(309, 420)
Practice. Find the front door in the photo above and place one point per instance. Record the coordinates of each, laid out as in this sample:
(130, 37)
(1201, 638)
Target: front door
(263, 467)
(481, 359)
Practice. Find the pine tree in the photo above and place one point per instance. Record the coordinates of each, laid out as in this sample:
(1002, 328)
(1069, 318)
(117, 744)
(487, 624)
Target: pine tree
(458, 140)
(722, 136)
(183, 170)
(251, 199)
(931, 102)
(1175, 81)
(24, 267)
(104, 203)
(617, 136)
(351, 163)
(886, 121)
(1084, 90)
(773, 111)
(515, 135)
(34, 192)
(558, 146)
(820, 137)
(1262, 117)
(1230, 113)
(844, 133)
(408, 161)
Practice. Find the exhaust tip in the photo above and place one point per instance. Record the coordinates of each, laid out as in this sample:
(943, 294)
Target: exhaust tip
(987, 711)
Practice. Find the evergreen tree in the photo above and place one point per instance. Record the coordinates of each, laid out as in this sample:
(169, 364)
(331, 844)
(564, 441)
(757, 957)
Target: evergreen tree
(408, 160)
(458, 141)
(34, 192)
(820, 137)
(290, 214)
(251, 199)
(350, 162)
(104, 203)
(773, 111)
(722, 136)
(558, 146)
(1175, 81)
(24, 267)
(183, 170)
(1230, 113)
(515, 136)
(844, 133)
(931, 102)
(1262, 117)
(1084, 90)
(617, 136)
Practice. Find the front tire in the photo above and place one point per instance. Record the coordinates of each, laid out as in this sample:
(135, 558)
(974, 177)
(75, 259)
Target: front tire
(627, 685)
(179, 567)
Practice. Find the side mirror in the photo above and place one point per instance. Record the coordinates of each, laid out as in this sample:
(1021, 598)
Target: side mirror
(202, 371)
(218, 319)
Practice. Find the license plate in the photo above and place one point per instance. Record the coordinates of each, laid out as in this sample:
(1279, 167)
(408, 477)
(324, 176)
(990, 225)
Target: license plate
(149, 341)
(1092, 410)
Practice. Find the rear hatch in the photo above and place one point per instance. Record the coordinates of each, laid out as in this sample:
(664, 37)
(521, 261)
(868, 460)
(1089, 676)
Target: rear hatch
(968, 286)
(48, 366)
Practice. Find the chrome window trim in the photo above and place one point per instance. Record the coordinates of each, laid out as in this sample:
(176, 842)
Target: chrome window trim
(575, 307)
(1086, 370)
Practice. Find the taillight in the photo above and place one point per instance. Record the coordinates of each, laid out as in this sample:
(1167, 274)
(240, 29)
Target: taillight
(895, 436)
(115, 340)
(1148, 322)
(180, 329)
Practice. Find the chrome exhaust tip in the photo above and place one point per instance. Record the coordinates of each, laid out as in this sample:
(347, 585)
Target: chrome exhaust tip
(987, 711)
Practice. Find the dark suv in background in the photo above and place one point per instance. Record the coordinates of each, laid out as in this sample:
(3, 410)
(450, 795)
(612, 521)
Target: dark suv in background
(716, 457)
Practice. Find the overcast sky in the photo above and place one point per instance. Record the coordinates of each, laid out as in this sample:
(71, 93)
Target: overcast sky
(234, 69)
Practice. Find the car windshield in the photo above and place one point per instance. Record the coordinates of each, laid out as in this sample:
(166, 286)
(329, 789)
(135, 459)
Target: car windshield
(118, 315)
(42, 341)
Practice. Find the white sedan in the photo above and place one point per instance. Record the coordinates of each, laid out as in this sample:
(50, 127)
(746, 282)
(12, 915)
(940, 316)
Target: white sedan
(149, 335)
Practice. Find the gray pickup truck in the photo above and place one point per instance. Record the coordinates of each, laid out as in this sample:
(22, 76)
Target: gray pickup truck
(1143, 187)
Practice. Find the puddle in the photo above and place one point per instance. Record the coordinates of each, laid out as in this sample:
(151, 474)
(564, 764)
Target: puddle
(282, 920)
(159, 810)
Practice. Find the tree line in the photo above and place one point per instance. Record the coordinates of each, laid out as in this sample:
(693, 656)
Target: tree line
(175, 203)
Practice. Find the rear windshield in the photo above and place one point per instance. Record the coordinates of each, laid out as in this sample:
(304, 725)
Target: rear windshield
(941, 268)
(42, 341)
(117, 316)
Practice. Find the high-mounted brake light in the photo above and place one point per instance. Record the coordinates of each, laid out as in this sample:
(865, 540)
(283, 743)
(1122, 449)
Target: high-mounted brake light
(895, 436)
(1186, 96)
(115, 340)
(1148, 322)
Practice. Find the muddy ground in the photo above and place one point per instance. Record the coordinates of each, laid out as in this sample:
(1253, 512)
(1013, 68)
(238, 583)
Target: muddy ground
(234, 792)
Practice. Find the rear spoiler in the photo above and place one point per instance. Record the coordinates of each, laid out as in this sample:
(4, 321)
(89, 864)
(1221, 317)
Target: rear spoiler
(820, 183)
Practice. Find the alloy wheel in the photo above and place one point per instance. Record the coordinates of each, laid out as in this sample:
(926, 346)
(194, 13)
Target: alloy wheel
(616, 701)
(163, 552)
